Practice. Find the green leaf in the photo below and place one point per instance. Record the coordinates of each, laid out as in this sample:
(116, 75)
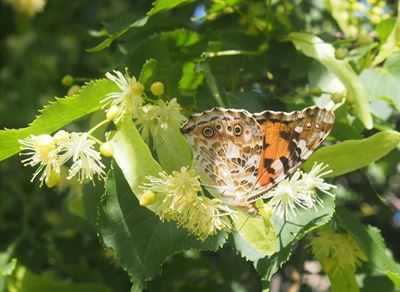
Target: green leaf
(180, 38)
(133, 156)
(139, 239)
(172, 150)
(147, 72)
(190, 80)
(392, 64)
(343, 280)
(212, 83)
(7, 266)
(391, 43)
(354, 154)
(314, 47)
(385, 27)
(110, 39)
(290, 231)
(373, 283)
(336, 8)
(24, 280)
(371, 241)
(394, 277)
(256, 236)
(57, 114)
(165, 5)
(381, 83)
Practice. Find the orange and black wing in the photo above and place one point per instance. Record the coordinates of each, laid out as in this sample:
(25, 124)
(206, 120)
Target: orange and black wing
(289, 139)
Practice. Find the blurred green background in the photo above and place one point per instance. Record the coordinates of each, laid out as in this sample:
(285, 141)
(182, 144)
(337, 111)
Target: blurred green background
(51, 234)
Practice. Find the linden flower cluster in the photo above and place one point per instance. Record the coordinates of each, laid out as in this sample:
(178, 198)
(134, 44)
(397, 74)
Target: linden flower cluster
(125, 101)
(28, 7)
(337, 252)
(156, 118)
(151, 119)
(352, 14)
(202, 216)
(300, 191)
(49, 153)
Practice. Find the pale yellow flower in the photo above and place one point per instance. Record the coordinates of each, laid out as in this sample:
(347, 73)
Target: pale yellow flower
(300, 191)
(157, 118)
(43, 152)
(286, 196)
(127, 100)
(28, 7)
(200, 215)
(86, 161)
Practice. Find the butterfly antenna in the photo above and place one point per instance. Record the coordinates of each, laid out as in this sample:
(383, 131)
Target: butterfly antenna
(244, 223)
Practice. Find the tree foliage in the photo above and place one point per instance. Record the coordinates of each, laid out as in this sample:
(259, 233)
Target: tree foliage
(110, 235)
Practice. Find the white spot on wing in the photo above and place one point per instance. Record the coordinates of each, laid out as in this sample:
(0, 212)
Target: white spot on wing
(232, 151)
(298, 129)
(278, 166)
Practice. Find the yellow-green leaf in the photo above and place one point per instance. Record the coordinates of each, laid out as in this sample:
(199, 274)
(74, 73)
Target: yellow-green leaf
(354, 154)
(392, 42)
(256, 236)
(133, 157)
(57, 114)
(316, 48)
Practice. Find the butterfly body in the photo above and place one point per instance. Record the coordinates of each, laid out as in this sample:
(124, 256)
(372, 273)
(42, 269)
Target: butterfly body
(240, 156)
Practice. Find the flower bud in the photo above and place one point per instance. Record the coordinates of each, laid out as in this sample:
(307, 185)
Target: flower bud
(61, 136)
(112, 112)
(316, 90)
(68, 80)
(337, 97)
(43, 145)
(365, 39)
(148, 197)
(106, 149)
(74, 89)
(137, 88)
(53, 179)
(157, 88)
(341, 53)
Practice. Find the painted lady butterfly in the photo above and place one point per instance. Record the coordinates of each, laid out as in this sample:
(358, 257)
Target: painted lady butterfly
(240, 156)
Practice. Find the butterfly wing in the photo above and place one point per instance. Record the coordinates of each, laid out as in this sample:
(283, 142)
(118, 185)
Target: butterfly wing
(289, 139)
(227, 146)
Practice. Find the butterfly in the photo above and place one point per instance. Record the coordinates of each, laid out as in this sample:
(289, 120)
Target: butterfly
(240, 156)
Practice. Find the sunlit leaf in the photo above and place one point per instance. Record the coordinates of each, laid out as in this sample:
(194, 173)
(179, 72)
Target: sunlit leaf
(191, 79)
(110, 39)
(354, 154)
(172, 150)
(314, 47)
(255, 237)
(383, 82)
(147, 72)
(391, 43)
(165, 5)
(23, 280)
(57, 114)
(337, 8)
(133, 156)
(180, 38)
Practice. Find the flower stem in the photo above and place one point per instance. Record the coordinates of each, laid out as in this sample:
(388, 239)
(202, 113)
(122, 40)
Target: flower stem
(98, 126)
(95, 139)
